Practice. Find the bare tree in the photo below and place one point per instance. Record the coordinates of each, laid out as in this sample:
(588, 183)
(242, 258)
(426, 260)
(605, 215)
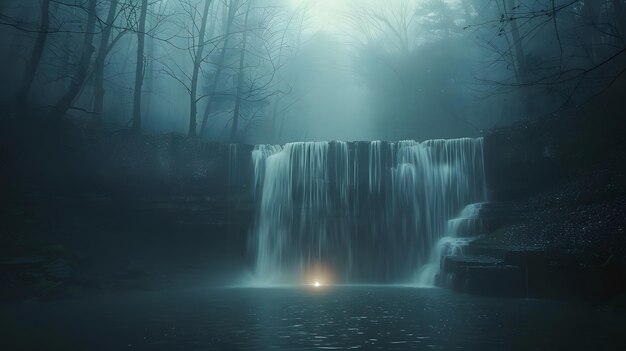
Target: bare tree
(103, 51)
(281, 105)
(233, 7)
(35, 58)
(267, 82)
(583, 64)
(140, 67)
(392, 23)
(516, 44)
(620, 17)
(197, 61)
(78, 79)
(240, 76)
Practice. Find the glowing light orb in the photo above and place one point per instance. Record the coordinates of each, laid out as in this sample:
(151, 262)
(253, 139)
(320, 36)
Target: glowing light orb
(317, 284)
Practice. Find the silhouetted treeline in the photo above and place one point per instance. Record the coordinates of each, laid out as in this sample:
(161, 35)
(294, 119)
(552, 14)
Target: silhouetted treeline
(269, 71)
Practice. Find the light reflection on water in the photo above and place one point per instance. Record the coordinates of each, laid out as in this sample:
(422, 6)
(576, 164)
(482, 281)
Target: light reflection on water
(333, 318)
(378, 318)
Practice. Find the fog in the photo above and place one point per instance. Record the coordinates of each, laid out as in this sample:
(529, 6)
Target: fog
(300, 174)
(274, 71)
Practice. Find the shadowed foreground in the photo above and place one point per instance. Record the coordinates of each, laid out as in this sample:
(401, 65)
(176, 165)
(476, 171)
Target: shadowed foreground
(339, 318)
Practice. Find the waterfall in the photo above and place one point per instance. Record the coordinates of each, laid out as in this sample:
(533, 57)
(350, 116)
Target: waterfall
(367, 212)
(259, 156)
(459, 233)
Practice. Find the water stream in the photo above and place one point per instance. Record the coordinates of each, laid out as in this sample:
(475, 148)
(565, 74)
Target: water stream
(358, 212)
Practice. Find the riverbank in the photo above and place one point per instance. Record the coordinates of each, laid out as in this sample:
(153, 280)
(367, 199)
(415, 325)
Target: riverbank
(560, 184)
(88, 210)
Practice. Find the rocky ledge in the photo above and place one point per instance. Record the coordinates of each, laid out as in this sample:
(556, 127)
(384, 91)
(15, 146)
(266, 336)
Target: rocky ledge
(567, 241)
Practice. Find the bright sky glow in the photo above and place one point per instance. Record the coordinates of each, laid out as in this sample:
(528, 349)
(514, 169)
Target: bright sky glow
(324, 13)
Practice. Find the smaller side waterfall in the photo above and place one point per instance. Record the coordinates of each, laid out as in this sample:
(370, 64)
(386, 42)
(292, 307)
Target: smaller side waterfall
(459, 233)
(468, 224)
(260, 155)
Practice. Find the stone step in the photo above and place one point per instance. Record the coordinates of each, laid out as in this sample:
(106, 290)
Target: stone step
(500, 280)
(482, 218)
(530, 273)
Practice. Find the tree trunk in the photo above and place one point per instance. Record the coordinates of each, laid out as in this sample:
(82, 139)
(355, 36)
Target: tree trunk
(193, 101)
(519, 59)
(33, 63)
(518, 45)
(590, 15)
(620, 19)
(242, 58)
(103, 51)
(220, 65)
(139, 71)
(149, 78)
(77, 81)
(11, 56)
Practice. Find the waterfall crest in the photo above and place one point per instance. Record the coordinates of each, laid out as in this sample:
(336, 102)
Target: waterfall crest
(367, 211)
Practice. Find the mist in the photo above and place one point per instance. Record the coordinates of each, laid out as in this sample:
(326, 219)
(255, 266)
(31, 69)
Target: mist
(276, 71)
(312, 174)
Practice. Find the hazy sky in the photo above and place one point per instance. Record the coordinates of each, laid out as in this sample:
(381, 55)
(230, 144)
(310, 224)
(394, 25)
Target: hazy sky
(326, 14)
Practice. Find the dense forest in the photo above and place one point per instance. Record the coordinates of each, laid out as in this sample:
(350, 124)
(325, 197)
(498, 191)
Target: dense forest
(312, 174)
(271, 71)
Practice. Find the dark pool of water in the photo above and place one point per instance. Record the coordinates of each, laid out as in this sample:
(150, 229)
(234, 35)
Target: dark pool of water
(340, 318)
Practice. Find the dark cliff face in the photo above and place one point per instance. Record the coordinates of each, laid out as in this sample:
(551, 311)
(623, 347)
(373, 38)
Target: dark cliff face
(108, 208)
(88, 160)
(564, 179)
(534, 155)
(123, 210)
(518, 161)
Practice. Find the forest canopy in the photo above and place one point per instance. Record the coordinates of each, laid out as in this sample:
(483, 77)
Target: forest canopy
(273, 71)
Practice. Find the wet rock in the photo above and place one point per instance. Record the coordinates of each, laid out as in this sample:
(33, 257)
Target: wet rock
(504, 280)
(454, 269)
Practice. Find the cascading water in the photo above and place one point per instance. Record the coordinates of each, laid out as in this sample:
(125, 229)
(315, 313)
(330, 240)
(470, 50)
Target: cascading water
(369, 212)
(259, 156)
(459, 233)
